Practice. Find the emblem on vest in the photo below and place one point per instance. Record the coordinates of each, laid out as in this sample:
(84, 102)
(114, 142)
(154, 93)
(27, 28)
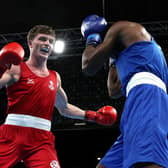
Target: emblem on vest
(54, 164)
(30, 81)
(51, 85)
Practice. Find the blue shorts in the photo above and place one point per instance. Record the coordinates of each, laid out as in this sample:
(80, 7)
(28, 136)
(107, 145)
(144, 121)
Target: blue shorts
(144, 130)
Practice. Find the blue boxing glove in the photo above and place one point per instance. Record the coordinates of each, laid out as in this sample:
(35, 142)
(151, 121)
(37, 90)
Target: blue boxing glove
(91, 29)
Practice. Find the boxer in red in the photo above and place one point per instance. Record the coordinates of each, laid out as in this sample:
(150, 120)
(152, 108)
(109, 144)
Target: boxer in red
(33, 90)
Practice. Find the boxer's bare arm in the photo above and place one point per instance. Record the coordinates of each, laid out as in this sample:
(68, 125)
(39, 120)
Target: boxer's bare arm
(113, 83)
(11, 76)
(64, 107)
(106, 115)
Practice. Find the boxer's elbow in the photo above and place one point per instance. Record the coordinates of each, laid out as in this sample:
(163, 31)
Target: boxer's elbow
(114, 93)
(88, 69)
(87, 66)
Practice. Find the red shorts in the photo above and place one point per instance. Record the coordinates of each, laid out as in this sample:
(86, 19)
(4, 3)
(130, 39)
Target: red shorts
(34, 146)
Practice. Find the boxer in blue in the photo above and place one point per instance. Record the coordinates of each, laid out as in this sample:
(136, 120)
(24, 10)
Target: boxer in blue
(143, 72)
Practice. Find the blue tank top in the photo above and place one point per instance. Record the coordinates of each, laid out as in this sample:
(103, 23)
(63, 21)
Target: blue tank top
(143, 56)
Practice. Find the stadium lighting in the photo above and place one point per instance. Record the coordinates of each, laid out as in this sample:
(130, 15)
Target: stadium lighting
(59, 46)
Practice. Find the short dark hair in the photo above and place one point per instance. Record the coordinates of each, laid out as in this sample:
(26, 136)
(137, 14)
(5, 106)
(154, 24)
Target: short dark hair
(43, 29)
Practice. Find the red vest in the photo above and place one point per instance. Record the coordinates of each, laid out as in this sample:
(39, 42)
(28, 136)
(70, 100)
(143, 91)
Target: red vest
(33, 95)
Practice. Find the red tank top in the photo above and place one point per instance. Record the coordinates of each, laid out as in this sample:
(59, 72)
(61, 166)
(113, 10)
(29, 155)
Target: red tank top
(33, 95)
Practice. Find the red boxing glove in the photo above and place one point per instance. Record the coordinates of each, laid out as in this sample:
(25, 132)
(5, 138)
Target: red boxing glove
(12, 53)
(106, 115)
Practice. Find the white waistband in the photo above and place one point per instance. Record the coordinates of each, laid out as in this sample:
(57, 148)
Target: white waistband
(28, 121)
(144, 78)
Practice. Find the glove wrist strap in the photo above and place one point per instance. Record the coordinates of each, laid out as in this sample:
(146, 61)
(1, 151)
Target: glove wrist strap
(90, 115)
(93, 39)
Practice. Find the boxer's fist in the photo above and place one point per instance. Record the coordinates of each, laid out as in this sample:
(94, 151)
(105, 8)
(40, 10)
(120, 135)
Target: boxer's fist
(93, 24)
(12, 53)
(106, 115)
(91, 28)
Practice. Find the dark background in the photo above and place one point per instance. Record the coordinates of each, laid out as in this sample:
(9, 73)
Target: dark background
(21, 15)
(78, 143)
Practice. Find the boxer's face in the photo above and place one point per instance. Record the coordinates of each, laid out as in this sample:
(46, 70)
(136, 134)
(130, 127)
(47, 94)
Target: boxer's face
(42, 45)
